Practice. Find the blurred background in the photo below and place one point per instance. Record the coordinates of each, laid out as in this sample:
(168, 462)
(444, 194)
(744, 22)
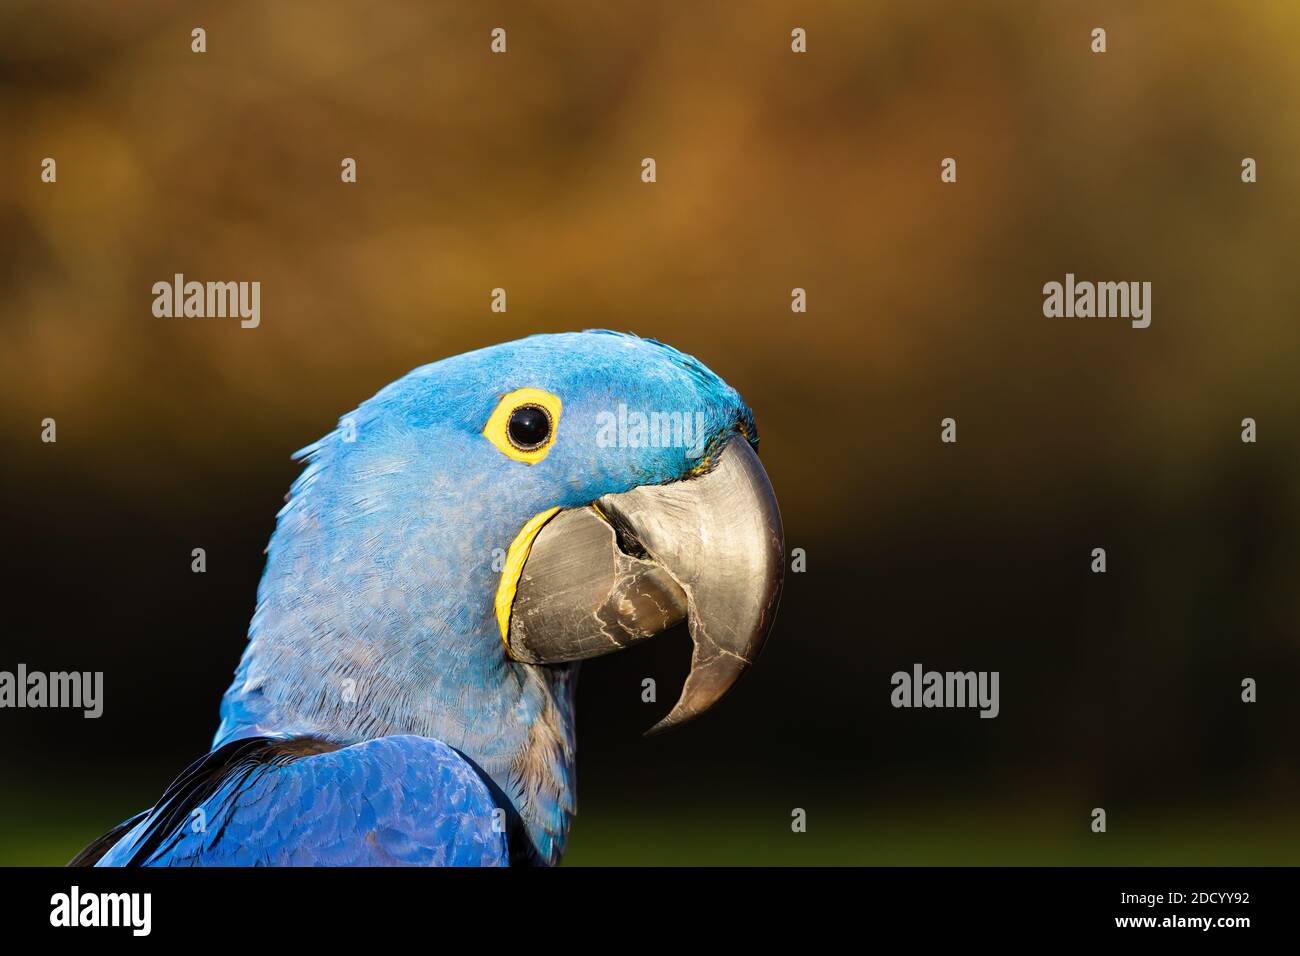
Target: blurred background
(775, 170)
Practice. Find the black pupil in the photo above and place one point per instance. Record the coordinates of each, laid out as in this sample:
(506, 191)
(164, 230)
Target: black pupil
(529, 426)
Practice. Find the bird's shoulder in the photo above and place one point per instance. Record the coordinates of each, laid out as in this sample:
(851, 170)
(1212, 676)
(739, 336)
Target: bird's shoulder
(304, 801)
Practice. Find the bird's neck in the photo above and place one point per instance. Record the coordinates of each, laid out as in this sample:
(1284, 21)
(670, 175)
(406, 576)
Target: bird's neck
(396, 659)
(375, 617)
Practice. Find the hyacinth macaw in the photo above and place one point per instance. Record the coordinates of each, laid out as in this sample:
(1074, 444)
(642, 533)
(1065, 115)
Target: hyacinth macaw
(446, 557)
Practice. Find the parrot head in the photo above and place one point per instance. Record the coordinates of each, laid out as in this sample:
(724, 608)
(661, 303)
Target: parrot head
(468, 534)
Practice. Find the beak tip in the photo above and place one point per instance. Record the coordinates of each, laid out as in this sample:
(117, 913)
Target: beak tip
(674, 719)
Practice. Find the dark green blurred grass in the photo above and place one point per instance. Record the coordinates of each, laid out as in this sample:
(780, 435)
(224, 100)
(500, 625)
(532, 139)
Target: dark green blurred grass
(49, 831)
(845, 838)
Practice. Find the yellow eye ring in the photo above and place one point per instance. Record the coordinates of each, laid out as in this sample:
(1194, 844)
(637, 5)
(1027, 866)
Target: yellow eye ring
(526, 402)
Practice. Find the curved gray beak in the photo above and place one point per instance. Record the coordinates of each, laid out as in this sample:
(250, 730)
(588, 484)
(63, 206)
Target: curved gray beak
(708, 549)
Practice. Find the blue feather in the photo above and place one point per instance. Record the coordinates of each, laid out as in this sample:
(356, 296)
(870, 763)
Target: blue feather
(394, 801)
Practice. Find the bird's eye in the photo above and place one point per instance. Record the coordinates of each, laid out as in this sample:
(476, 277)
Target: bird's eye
(529, 427)
(524, 424)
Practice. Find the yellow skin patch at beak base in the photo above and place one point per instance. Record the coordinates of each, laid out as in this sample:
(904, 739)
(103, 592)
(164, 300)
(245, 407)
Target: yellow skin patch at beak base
(515, 558)
(495, 429)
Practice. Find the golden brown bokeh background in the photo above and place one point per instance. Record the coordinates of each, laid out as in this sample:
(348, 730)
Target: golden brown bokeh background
(775, 170)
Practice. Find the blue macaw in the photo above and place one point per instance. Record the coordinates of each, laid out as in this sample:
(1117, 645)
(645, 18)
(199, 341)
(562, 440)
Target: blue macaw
(448, 554)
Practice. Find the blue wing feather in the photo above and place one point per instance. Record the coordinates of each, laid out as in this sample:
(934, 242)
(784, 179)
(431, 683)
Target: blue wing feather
(392, 801)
